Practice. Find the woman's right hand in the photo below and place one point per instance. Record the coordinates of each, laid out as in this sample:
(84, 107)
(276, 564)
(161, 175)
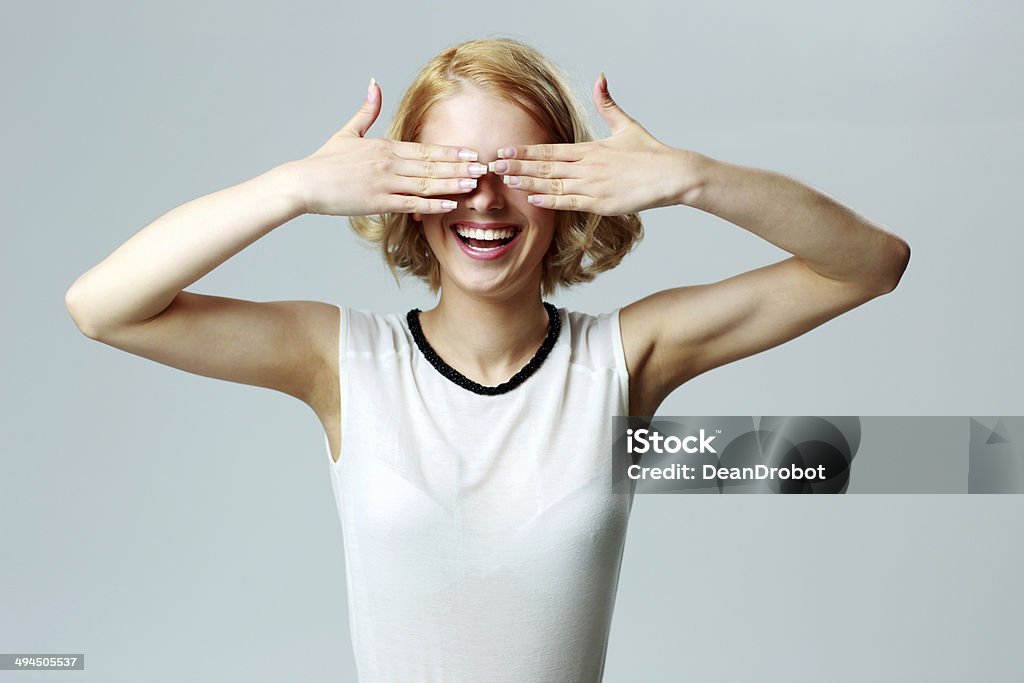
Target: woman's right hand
(354, 176)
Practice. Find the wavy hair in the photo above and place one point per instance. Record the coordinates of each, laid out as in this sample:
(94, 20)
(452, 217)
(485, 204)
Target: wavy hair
(584, 243)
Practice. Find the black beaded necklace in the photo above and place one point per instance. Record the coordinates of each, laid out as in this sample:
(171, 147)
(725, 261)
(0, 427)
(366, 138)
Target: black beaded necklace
(554, 327)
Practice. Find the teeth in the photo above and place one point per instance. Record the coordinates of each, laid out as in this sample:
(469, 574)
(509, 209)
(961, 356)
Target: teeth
(482, 234)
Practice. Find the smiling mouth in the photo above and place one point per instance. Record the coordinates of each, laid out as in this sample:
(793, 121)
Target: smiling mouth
(485, 239)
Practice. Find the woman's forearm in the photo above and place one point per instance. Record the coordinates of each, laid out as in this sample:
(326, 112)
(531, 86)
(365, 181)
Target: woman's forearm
(143, 275)
(831, 238)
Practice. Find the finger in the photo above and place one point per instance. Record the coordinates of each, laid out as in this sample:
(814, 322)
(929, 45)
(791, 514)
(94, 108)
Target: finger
(404, 203)
(555, 186)
(437, 169)
(426, 152)
(367, 114)
(545, 152)
(609, 110)
(428, 187)
(569, 202)
(537, 169)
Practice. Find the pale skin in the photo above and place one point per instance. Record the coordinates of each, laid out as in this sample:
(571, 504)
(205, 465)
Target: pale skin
(489, 319)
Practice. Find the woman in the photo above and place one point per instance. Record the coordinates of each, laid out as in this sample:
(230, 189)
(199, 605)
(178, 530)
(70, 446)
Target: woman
(469, 444)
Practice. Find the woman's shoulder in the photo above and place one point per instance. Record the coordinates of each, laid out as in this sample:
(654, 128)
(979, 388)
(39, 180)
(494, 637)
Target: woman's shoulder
(589, 321)
(588, 317)
(593, 337)
(363, 329)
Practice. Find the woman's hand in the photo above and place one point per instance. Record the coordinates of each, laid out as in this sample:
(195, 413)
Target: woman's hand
(625, 173)
(354, 176)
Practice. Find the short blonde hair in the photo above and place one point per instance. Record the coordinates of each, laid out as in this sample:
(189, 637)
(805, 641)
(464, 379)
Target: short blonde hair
(584, 244)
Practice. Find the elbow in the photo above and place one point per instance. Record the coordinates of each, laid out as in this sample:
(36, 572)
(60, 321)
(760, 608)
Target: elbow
(75, 308)
(896, 265)
(902, 261)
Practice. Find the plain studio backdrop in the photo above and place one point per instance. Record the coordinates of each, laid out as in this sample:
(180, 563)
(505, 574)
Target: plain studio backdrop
(174, 527)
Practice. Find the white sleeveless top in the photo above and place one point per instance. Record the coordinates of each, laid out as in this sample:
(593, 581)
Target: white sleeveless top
(482, 536)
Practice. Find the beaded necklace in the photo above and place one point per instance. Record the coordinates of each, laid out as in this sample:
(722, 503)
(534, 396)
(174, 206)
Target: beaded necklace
(554, 327)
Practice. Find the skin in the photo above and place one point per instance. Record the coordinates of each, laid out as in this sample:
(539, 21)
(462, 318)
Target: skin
(489, 319)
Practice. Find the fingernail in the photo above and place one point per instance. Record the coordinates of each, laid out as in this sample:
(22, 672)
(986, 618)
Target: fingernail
(467, 183)
(467, 155)
(448, 204)
(477, 169)
(512, 180)
(499, 166)
(506, 153)
(604, 82)
(371, 93)
(533, 199)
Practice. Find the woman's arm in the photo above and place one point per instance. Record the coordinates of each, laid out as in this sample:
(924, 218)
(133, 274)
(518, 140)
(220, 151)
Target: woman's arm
(135, 300)
(832, 239)
(840, 259)
(141, 278)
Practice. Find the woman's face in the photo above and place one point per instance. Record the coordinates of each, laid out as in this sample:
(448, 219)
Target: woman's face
(484, 123)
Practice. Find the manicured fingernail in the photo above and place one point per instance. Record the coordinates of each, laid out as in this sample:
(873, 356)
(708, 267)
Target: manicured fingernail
(467, 155)
(533, 199)
(512, 180)
(467, 183)
(477, 169)
(371, 93)
(448, 204)
(499, 166)
(507, 153)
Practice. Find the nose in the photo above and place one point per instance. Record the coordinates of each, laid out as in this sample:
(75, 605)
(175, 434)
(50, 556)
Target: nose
(488, 195)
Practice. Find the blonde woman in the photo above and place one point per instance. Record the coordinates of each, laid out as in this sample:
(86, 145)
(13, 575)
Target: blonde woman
(469, 444)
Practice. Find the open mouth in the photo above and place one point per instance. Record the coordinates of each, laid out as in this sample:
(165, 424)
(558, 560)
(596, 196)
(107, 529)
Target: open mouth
(486, 239)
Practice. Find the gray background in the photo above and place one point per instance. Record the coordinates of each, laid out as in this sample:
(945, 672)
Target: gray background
(173, 527)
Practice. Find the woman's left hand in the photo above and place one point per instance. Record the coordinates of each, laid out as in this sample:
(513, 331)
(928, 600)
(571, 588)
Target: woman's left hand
(625, 173)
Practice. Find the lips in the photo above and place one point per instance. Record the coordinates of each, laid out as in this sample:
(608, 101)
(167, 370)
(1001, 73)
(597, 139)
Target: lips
(484, 241)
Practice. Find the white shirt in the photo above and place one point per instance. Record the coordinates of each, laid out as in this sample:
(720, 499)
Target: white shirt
(482, 536)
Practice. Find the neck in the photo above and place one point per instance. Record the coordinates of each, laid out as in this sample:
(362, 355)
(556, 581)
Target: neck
(487, 340)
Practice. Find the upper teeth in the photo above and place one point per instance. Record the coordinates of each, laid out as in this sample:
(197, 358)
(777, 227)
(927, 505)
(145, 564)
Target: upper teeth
(482, 234)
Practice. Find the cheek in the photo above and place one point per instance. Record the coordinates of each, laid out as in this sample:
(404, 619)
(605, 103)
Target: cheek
(533, 214)
(543, 222)
(433, 231)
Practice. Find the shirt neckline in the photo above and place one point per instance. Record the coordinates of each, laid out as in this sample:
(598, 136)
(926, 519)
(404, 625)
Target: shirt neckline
(451, 374)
